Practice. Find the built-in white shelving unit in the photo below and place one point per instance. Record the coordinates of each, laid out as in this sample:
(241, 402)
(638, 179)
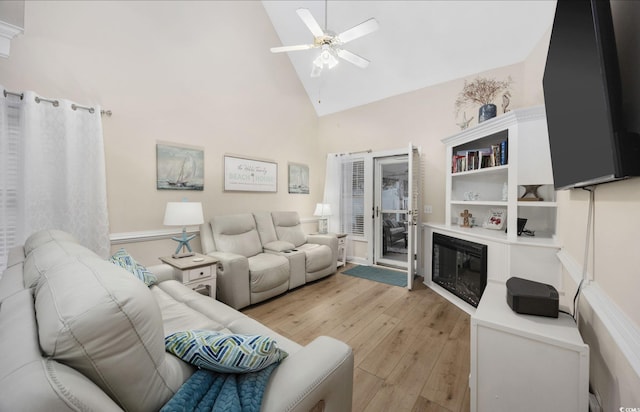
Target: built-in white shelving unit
(481, 190)
(527, 162)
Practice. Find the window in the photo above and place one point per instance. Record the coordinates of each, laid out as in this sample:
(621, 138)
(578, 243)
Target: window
(9, 159)
(352, 199)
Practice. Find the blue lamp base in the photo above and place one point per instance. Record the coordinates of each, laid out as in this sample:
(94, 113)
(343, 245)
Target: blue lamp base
(183, 243)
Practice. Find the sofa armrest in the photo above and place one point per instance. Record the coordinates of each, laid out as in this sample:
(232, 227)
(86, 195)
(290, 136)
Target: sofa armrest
(329, 240)
(232, 283)
(278, 246)
(162, 271)
(320, 371)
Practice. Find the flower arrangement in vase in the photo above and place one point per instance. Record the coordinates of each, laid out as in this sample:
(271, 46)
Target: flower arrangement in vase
(482, 91)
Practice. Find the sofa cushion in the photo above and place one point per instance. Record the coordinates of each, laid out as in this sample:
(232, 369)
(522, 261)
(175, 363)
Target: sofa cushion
(222, 352)
(126, 261)
(41, 237)
(98, 319)
(236, 234)
(264, 224)
(267, 271)
(48, 255)
(288, 227)
(27, 381)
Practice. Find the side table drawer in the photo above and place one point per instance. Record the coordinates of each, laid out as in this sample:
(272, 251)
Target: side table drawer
(197, 273)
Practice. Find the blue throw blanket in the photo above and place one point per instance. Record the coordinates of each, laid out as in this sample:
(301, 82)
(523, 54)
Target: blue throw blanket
(211, 391)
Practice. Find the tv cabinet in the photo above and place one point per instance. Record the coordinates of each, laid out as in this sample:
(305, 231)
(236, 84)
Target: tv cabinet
(523, 362)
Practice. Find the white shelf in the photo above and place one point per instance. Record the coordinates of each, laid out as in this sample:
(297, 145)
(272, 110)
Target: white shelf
(537, 204)
(486, 170)
(479, 203)
(540, 240)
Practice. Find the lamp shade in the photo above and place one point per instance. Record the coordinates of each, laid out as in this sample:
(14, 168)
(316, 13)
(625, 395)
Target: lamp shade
(183, 214)
(322, 209)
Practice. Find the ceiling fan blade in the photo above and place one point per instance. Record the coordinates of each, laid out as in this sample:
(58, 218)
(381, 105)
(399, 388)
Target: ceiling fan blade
(282, 49)
(353, 58)
(360, 30)
(311, 22)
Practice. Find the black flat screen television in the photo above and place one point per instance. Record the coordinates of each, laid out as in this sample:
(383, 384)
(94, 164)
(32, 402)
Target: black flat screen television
(583, 99)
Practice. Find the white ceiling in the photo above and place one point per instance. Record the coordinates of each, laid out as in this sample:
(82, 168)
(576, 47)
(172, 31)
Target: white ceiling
(420, 43)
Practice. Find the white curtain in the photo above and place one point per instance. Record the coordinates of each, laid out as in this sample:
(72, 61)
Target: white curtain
(61, 181)
(332, 191)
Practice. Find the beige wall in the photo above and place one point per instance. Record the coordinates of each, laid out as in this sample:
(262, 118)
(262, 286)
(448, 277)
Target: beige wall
(196, 73)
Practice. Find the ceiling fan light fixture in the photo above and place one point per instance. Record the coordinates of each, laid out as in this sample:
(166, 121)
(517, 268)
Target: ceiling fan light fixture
(325, 58)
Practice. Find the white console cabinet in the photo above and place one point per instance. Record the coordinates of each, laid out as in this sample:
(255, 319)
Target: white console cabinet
(525, 363)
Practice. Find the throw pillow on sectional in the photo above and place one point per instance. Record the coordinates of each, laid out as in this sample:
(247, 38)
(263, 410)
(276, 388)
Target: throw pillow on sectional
(222, 352)
(125, 260)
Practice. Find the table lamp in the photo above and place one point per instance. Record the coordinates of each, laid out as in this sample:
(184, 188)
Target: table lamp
(183, 214)
(323, 210)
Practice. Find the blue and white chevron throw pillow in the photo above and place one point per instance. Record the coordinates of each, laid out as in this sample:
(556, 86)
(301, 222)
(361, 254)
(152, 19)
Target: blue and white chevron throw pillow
(222, 352)
(125, 260)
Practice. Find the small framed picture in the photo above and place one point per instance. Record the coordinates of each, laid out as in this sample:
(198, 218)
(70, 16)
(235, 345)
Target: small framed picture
(179, 167)
(496, 219)
(298, 178)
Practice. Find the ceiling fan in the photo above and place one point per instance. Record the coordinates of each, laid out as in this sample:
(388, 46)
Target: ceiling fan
(331, 43)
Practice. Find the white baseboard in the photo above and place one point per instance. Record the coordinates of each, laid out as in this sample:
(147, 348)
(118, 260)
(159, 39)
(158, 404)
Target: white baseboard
(624, 332)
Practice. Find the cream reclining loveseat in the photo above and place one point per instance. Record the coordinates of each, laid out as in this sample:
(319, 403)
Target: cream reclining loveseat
(264, 254)
(78, 333)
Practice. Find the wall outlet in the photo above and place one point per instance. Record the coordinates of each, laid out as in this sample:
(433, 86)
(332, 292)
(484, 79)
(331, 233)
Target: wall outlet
(428, 209)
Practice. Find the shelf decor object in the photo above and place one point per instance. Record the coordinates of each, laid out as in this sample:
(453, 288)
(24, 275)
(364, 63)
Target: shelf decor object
(533, 191)
(482, 91)
(183, 214)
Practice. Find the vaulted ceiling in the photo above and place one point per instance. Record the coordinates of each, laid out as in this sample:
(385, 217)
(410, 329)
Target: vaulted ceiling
(419, 43)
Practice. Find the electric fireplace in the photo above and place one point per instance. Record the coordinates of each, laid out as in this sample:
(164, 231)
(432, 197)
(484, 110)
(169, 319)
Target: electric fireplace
(460, 267)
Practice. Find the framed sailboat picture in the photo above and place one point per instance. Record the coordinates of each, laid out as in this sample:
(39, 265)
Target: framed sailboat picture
(298, 178)
(179, 167)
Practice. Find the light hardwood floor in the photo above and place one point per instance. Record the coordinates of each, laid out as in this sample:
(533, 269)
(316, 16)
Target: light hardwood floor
(411, 348)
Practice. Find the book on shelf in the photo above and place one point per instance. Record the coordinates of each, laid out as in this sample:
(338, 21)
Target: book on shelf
(504, 159)
(466, 160)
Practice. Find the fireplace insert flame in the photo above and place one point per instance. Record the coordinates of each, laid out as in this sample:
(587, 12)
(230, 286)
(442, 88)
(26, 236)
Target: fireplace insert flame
(460, 267)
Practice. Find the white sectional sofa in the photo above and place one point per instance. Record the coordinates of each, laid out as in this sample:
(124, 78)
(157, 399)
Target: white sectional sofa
(264, 254)
(78, 333)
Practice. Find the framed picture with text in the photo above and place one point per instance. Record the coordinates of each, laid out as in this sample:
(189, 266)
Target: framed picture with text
(250, 175)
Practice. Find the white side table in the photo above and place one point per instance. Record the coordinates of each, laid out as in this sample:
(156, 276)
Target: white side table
(342, 249)
(199, 275)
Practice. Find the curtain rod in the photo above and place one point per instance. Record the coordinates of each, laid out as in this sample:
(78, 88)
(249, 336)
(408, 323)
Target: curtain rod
(56, 103)
(352, 153)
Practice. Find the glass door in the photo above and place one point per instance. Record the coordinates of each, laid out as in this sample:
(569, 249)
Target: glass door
(391, 211)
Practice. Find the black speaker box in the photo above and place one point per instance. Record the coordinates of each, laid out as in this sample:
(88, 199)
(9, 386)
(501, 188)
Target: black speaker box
(532, 298)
